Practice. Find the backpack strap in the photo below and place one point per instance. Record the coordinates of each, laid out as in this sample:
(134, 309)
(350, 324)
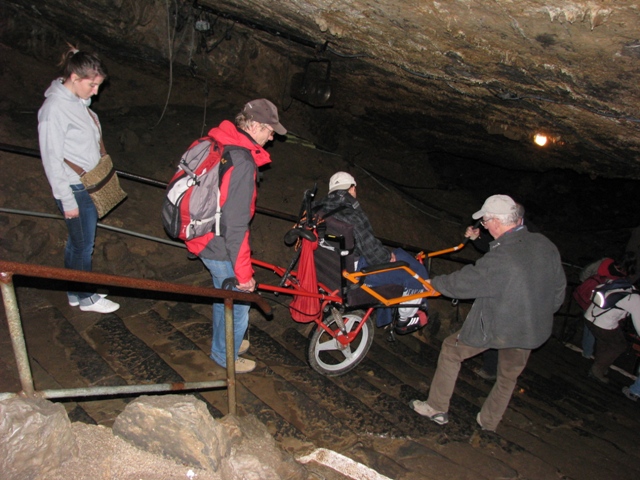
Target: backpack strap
(333, 212)
(223, 168)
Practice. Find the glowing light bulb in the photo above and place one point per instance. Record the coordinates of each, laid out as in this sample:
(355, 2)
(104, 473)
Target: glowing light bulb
(540, 139)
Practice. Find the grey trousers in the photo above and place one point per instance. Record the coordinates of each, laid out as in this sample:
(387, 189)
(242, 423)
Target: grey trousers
(511, 363)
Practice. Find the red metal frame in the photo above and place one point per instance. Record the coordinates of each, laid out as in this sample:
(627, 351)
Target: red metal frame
(292, 288)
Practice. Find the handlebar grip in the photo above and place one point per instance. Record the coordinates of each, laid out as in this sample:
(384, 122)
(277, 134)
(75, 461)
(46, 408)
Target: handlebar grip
(475, 225)
(229, 283)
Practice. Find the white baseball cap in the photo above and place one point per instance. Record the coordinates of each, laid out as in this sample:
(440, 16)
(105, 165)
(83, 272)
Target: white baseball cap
(341, 181)
(496, 205)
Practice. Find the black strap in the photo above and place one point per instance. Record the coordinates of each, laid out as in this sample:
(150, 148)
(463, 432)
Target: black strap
(331, 212)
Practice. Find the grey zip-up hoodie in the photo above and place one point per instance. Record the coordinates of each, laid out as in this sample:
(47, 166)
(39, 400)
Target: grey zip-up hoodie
(518, 286)
(66, 130)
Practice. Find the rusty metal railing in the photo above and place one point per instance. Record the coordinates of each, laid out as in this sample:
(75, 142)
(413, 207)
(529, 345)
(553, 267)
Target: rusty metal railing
(9, 269)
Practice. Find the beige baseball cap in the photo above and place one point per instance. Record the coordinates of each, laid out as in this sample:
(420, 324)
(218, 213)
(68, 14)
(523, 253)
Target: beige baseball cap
(496, 205)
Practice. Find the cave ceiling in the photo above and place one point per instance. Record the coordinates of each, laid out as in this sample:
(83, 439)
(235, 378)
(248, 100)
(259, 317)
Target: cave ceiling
(472, 79)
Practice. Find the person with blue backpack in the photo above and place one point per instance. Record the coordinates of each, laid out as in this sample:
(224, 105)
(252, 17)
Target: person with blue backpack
(632, 392)
(612, 302)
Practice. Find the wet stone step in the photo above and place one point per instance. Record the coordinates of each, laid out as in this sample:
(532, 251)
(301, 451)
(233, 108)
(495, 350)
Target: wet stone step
(60, 358)
(188, 359)
(394, 410)
(273, 352)
(411, 351)
(127, 354)
(344, 404)
(66, 352)
(250, 404)
(314, 421)
(395, 370)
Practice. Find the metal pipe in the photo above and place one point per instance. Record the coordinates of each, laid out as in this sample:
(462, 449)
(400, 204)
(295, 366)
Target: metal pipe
(260, 210)
(16, 333)
(8, 269)
(100, 225)
(122, 389)
(230, 354)
(54, 273)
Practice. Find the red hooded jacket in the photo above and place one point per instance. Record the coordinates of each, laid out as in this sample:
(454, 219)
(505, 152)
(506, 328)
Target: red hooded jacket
(238, 192)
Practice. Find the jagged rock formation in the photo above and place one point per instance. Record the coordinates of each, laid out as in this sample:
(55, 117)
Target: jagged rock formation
(170, 436)
(471, 79)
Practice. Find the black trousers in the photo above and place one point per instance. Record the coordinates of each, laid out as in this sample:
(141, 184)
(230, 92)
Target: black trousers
(610, 344)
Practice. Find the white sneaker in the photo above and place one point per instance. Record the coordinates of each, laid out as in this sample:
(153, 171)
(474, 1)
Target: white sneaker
(244, 365)
(74, 302)
(423, 408)
(101, 306)
(244, 347)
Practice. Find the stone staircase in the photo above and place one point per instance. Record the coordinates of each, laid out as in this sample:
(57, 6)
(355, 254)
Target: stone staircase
(559, 422)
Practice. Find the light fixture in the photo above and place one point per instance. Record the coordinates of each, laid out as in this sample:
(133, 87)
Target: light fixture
(313, 85)
(540, 139)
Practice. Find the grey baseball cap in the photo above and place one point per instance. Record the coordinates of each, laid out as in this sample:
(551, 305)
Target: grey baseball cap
(262, 110)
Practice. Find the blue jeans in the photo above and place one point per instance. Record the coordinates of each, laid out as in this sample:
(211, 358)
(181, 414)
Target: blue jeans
(82, 236)
(635, 388)
(221, 270)
(397, 277)
(588, 342)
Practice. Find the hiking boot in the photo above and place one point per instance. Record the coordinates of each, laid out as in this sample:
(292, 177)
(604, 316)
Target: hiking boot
(244, 347)
(101, 306)
(629, 394)
(244, 365)
(598, 375)
(411, 324)
(482, 373)
(423, 408)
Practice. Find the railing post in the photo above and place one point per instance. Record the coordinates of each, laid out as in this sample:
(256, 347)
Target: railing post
(16, 333)
(231, 350)
(9, 269)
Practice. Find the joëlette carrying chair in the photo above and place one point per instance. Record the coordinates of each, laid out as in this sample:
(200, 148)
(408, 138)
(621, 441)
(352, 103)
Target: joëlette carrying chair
(334, 256)
(343, 305)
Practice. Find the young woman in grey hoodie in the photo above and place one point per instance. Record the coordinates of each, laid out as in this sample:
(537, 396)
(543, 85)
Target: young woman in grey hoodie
(68, 129)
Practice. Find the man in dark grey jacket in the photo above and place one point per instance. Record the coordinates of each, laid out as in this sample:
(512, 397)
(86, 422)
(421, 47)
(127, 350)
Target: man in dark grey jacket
(517, 287)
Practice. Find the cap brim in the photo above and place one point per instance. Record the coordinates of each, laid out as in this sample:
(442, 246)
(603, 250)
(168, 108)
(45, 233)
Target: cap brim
(477, 215)
(279, 129)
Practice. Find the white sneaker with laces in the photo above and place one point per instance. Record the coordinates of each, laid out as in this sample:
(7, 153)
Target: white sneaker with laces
(423, 408)
(244, 365)
(103, 305)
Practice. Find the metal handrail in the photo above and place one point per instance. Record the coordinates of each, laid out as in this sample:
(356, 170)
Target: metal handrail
(260, 210)
(8, 269)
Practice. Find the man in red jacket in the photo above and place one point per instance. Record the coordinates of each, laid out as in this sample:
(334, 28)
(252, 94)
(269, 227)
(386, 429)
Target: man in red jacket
(229, 254)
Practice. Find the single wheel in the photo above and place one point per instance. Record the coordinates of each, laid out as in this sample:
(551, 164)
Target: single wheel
(327, 355)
